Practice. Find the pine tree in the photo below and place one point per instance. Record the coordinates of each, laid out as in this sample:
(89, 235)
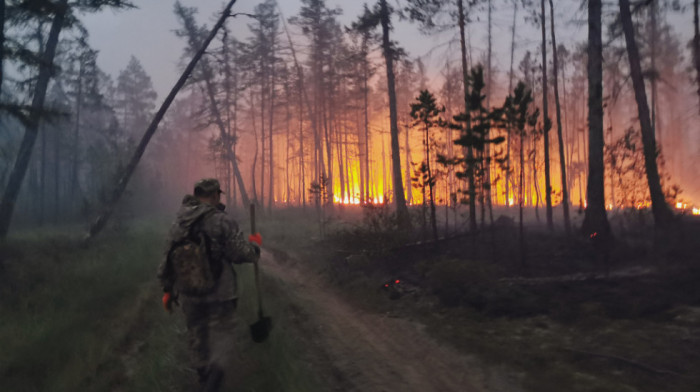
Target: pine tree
(426, 114)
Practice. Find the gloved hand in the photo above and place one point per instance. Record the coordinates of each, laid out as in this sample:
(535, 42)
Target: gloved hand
(256, 238)
(168, 302)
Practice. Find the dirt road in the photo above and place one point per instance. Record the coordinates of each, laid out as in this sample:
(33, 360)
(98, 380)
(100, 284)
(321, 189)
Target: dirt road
(352, 350)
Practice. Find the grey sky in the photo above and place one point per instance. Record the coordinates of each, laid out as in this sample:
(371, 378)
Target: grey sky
(147, 33)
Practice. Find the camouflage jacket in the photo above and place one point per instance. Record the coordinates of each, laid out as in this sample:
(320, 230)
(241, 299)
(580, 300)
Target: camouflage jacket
(227, 245)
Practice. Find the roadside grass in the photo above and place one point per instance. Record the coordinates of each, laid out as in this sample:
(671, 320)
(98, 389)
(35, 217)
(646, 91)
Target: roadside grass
(69, 312)
(80, 318)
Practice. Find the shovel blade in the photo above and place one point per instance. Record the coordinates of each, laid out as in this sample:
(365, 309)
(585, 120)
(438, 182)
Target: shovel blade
(260, 330)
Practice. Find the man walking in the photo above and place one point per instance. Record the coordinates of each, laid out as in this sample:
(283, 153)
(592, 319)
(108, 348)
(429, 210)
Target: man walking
(197, 272)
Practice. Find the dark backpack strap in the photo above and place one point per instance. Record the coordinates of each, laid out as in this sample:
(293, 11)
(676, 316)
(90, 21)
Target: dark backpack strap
(215, 265)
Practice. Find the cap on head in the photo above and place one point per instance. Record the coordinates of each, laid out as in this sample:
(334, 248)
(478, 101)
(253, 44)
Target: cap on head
(207, 187)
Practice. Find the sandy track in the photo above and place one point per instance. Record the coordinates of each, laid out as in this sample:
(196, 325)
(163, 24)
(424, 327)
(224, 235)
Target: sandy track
(360, 351)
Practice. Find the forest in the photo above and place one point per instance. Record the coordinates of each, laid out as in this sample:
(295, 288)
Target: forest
(535, 143)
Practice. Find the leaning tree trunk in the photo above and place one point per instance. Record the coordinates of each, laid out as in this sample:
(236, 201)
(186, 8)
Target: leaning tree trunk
(560, 137)
(9, 198)
(470, 150)
(662, 213)
(595, 220)
(403, 218)
(547, 123)
(100, 222)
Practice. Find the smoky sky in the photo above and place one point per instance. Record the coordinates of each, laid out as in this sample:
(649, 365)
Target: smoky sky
(147, 33)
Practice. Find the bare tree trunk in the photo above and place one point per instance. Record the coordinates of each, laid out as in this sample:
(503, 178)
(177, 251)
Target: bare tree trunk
(256, 151)
(263, 94)
(696, 44)
(510, 90)
(303, 97)
(407, 144)
(653, 32)
(595, 220)
(287, 160)
(366, 120)
(42, 179)
(271, 195)
(547, 122)
(521, 201)
(227, 104)
(99, 223)
(433, 218)
(19, 171)
(470, 150)
(489, 82)
(403, 218)
(662, 213)
(76, 135)
(2, 42)
(560, 136)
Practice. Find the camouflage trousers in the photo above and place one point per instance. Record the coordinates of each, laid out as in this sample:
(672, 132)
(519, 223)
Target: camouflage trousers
(210, 335)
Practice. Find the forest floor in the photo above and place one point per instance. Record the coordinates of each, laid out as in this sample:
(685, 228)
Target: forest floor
(90, 319)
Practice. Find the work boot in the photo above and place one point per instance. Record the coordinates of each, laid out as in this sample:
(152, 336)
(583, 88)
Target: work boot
(202, 375)
(213, 379)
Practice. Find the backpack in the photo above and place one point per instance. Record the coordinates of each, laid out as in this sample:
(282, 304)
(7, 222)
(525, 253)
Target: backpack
(195, 273)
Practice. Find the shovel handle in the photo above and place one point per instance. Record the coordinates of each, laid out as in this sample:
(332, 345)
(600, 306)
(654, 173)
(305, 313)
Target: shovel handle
(252, 218)
(255, 263)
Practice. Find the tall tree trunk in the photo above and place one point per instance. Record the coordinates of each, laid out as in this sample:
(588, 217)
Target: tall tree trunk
(271, 195)
(366, 120)
(19, 170)
(42, 179)
(595, 220)
(287, 160)
(407, 180)
(263, 94)
(696, 44)
(2, 42)
(100, 222)
(227, 104)
(521, 201)
(510, 90)
(560, 136)
(653, 32)
(403, 218)
(468, 129)
(303, 97)
(547, 122)
(57, 175)
(489, 82)
(433, 218)
(76, 136)
(256, 151)
(662, 213)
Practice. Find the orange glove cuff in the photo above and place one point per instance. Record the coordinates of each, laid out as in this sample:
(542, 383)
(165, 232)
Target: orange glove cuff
(257, 238)
(166, 301)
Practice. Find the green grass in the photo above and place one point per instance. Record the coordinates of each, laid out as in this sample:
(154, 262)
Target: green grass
(90, 319)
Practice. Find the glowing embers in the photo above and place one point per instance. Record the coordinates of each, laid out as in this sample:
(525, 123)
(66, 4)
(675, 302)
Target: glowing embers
(685, 209)
(356, 200)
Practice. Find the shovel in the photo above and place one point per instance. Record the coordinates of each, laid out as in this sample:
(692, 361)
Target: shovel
(259, 330)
